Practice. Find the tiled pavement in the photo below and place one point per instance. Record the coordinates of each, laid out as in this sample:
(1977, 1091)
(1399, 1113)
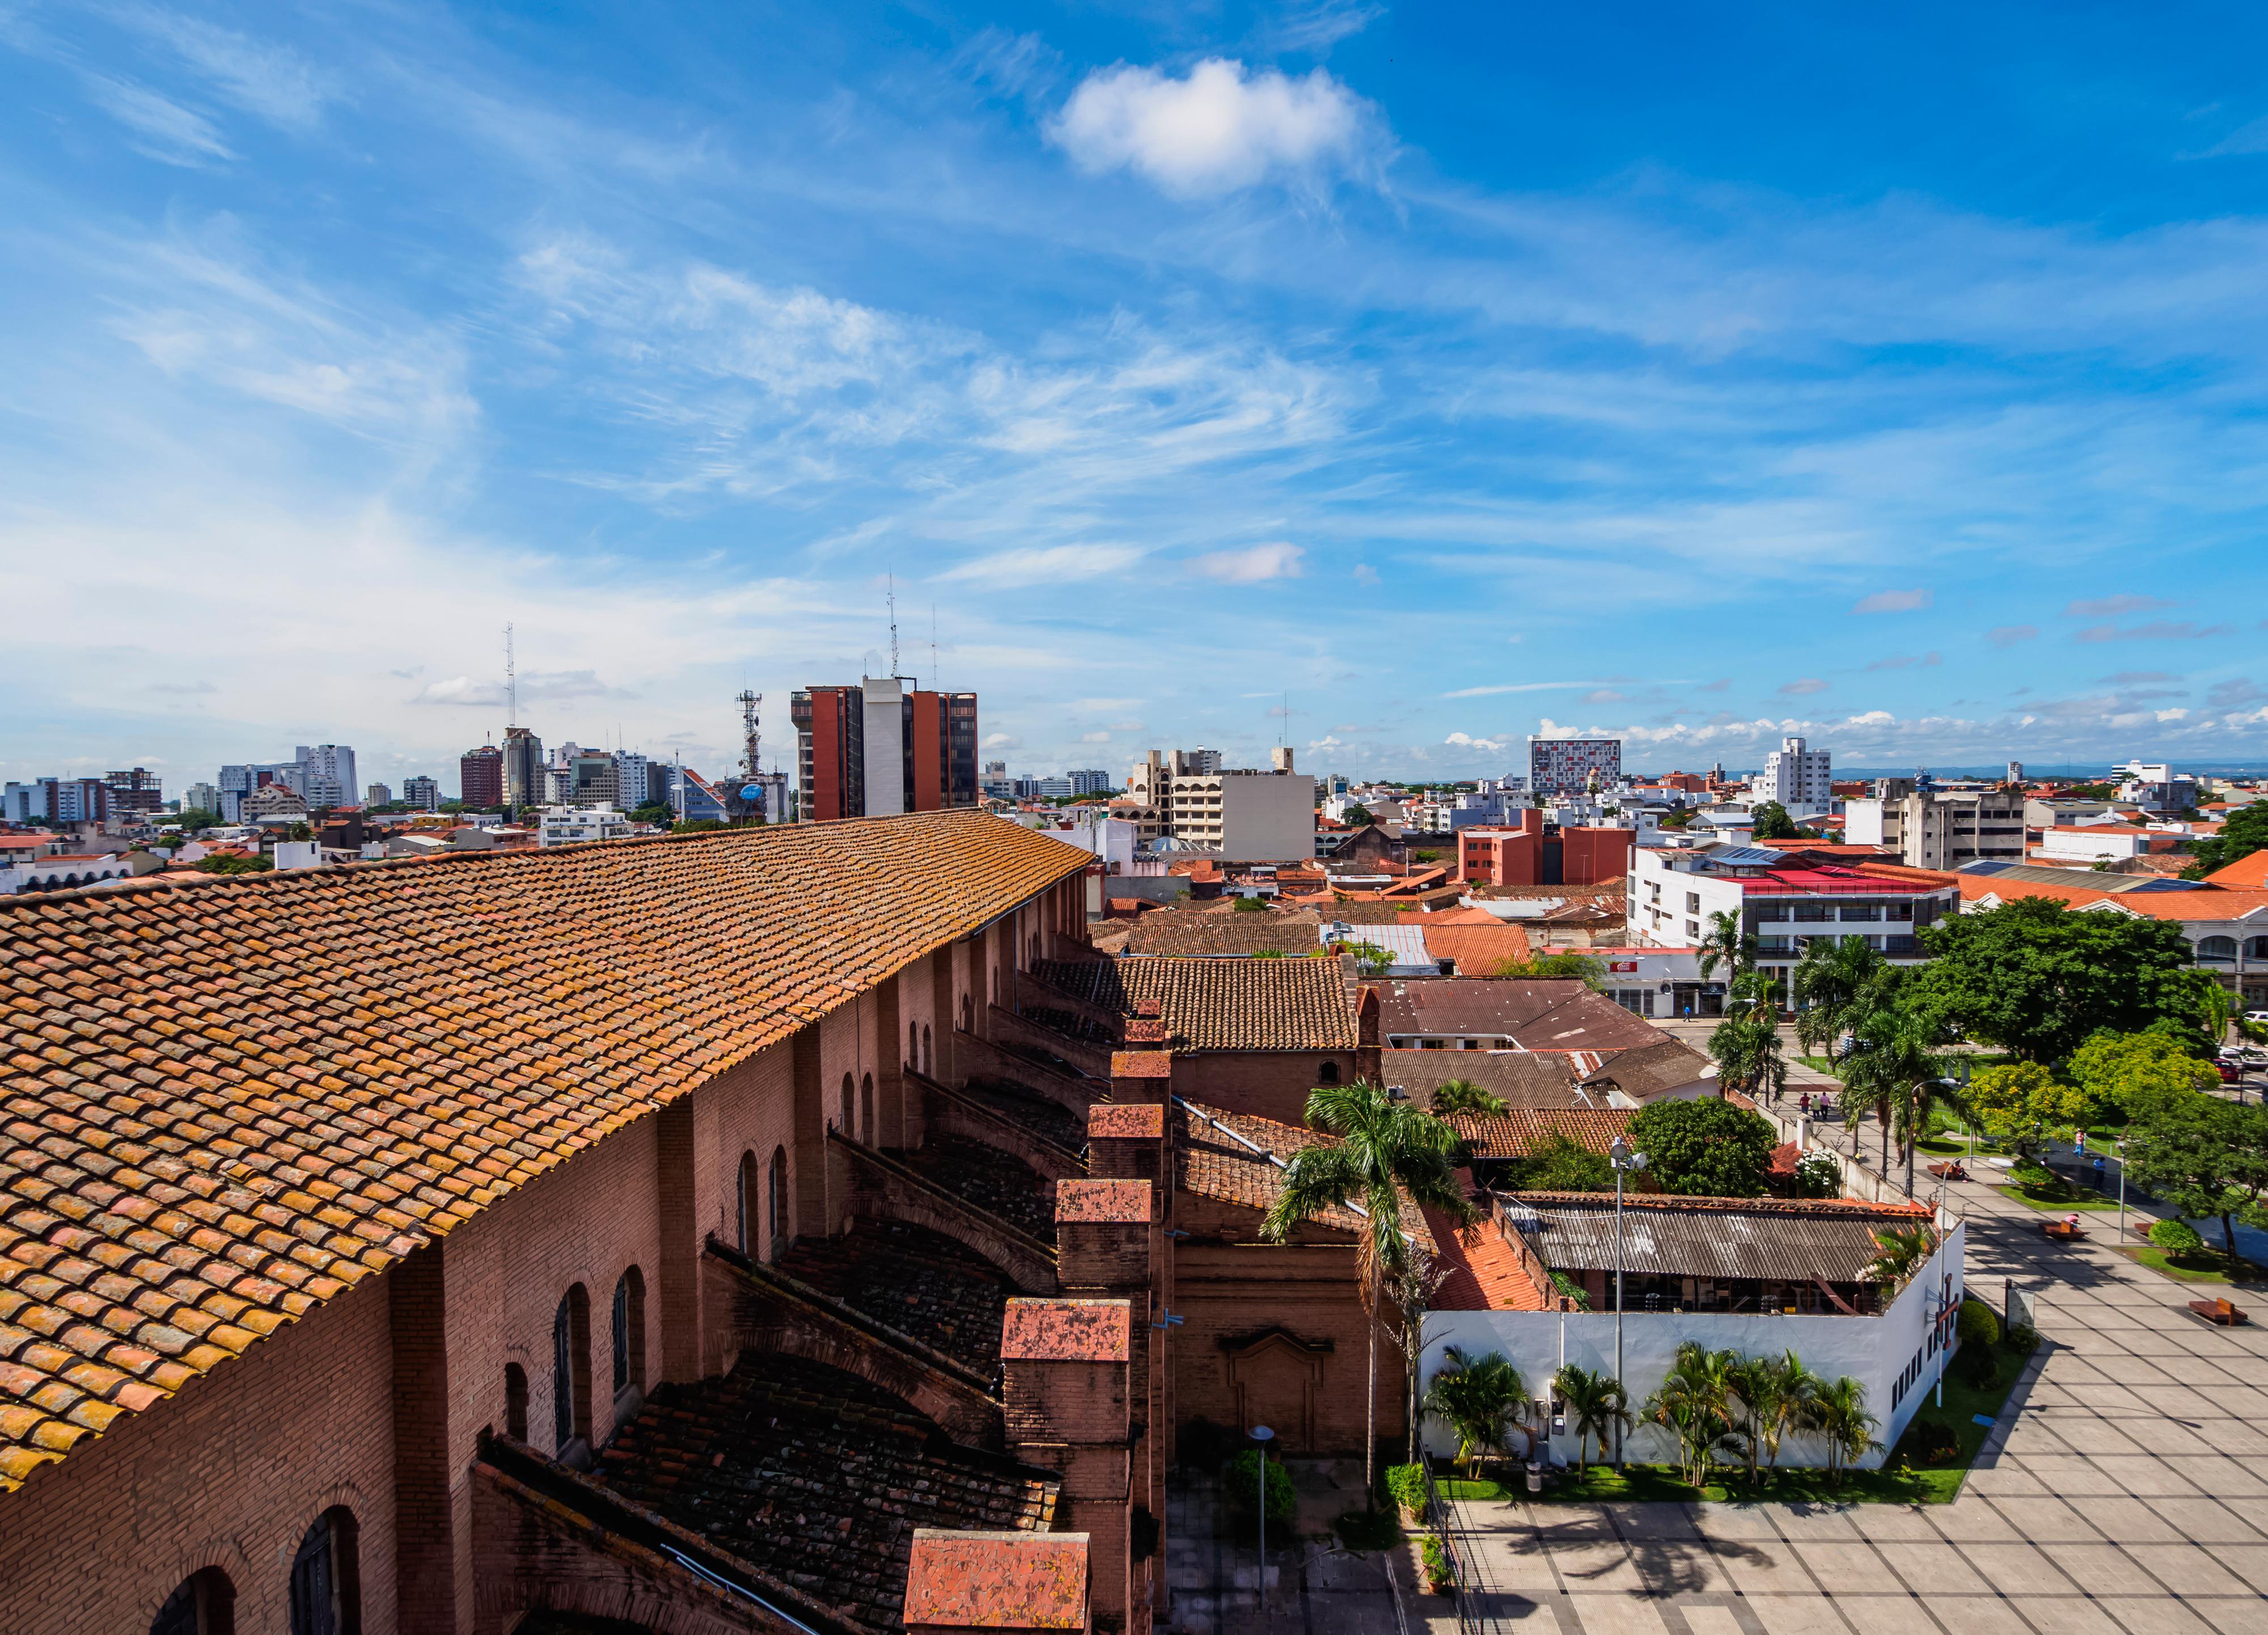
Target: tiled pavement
(2126, 1489)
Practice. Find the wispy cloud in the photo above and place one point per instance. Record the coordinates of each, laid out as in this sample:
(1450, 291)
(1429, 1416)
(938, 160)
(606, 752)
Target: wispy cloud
(162, 129)
(1250, 566)
(2114, 606)
(1046, 564)
(1802, 687)
(2155, 631)
(1894, 601)
(2011, 635)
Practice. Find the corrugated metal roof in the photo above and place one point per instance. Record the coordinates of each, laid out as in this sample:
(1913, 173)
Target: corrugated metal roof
(1671, 1241)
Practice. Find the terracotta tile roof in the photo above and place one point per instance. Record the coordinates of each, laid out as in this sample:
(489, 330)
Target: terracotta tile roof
(1201, 932)
(1478, 950)
(1521, 1078)
(226, 1106)
(1481, 1272)
(1102, 1200)
(1216, 1158)
(1061, 1330)
(1553, 1013)
(1222, 1004)
(997, 1580)
(2249, 871)
(1521, 1129)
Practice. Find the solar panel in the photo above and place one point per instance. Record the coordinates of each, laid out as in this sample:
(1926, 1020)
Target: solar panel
(1747, 857)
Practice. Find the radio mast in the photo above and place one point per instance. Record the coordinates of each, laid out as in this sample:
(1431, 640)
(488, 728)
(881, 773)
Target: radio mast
(511, 683)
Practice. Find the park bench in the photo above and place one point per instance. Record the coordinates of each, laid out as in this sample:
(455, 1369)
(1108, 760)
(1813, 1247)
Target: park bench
(2219, 1311)
(1949, 1169)
(2063, 1231)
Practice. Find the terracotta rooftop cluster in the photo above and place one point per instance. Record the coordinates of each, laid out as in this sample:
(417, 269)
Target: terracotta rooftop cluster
(1221, 1004)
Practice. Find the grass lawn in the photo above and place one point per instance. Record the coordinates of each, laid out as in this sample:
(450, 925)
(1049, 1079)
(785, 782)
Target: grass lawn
(2060, 1204)
(2209, 1267)
(1817, 1064)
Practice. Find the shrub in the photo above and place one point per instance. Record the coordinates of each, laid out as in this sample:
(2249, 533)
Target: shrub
(1978, 1324)
(2022, 1339)
(1367, 1530)
(1438, 1574)
(1405, 1485)
(1818, 1176)
(1243, 1479)
(2176, 1238)
(1935, 1442)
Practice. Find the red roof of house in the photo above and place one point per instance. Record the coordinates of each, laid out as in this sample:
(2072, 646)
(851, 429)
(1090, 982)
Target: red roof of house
(2249, 870)
(1486, 1274)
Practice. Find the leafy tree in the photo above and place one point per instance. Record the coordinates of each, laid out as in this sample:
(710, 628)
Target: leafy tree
(1357, 817)
(195, 820)
(1746, 1050)
(2245, 832)
(233, 865)
(1599, 1405)
(2017, 1103)
(2126, 1074)
(1834, 981)
(1706, 1147)
(1479, 1398)
(1838, 1411)
(1560, 1163)
(2206, 1157)
(1772, 821)
(1787, 1393)
(1726, 945)
(1372, 960)
(1250, 905)
(651, 812)
(1553, 967)
(1384, 1150)
(1903, 1249)
(1462, 1096)
(2037, 978)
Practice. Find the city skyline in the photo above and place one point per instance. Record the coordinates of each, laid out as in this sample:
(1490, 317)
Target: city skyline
(1639, 374)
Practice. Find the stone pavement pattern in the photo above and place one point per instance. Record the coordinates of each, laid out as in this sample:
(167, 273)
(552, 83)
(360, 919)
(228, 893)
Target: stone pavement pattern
(2126, 1489)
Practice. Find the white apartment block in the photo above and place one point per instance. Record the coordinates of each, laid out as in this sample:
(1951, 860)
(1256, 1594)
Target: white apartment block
(422, 792)
(200, 798)
(378, 795)
(1797, 777)
(1566, 766)
(569, 826)
(1942, 829)
(327, 773)
(1241, 816)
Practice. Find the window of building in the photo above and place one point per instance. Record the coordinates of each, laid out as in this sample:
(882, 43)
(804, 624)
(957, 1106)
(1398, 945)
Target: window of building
(2216, 947)
(325, 1582)
(779, 1202)
(1693, 902)
(928, 1061)
(745, 1204)
(630, 1330)
(967, 1014)
(204, 1603)
(866, 1110)
(842, 1114)
(515, 1402)
(1326, 1074)
(913, 1046)
(571, 1370)
(2255, 948)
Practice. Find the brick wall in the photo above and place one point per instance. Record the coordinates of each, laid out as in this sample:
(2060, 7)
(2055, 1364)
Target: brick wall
(1266, 1084)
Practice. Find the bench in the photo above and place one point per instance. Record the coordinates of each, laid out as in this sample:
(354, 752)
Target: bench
(2063, 1231)
(1949, 1169)
(2219, 1311)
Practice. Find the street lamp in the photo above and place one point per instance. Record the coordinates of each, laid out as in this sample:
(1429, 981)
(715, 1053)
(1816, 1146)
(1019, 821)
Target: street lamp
(1263, 1435)
(1625, 1162)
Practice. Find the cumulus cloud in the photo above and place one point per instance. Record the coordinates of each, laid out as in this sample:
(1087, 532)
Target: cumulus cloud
(1799, 689)
(1493, 746)
(2009, 634)
(1215, 131)
(1047, 564)
(1002, 740)
(1275, 561)
(2114, 606)
(1894, 601)
(2155, 631)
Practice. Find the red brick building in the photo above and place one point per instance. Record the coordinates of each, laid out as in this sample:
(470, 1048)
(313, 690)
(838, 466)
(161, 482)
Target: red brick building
(1540, 853)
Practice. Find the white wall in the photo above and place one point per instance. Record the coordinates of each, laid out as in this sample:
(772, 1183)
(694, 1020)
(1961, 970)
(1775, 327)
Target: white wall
(885, 734)
(1872, 1350)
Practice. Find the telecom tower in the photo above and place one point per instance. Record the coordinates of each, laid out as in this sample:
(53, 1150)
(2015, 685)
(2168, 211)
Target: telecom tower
(763, 795)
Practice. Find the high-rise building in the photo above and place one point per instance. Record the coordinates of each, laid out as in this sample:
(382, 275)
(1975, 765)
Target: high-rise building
(327, 774)
(200, 798)
(378, 795)
(1565, 766)
(480, 778)
(592, 780)
(424, 794)
(882, 747)
(57, 801)
(630, 779)
(134, 791)
(1243, 816)
(1799, 779)
(523, 768)
(1089, 781)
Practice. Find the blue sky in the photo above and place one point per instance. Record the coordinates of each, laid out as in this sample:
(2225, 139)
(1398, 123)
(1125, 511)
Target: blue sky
(1696, 373)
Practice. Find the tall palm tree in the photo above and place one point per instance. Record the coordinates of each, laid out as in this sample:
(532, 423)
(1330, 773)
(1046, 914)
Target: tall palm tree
(1833, 979)
(1695, 1405)
(1752, 1382)
(1599, 1403)
(1894, 1066)
(1903, 1248)
(1462, 1096)
(1838, 1413)
(1789, 1393)
(1384, 1150)
(1746, 1050)
(1479, 1398)
(1727, 944)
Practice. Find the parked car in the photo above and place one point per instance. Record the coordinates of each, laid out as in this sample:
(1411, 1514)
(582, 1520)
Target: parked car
(2231, 1073)
(2257, 1016)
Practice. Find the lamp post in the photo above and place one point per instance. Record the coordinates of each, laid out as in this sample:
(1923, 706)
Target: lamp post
(1263, 1435)
(1625, 1162)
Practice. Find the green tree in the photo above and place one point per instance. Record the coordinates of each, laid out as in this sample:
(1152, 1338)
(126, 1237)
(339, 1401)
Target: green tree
(2244, 833)
(1462, 1096)
(651, 812)
(2037, 979)
(1560, 1163)
(1837, 1412)
(1834, 981)
(1789, 1391)
(2126, 1074)
(1551, 966)
(1706, 1147)
(1892, 1064)
(1746, 1050)
(1903, 1249)
(1357, 817)
(1771, 821)
(1370, 959)
(2017, 1103)
(233, 865)
(1384, 1150)
(1726, 945)
(2206, 1157)
(1695, 1405)
(195, 820)
(1479, 1398)
(1598, 1404)
(1250, 905)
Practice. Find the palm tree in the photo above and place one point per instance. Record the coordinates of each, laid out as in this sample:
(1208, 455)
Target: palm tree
(1462, 1096)
(1790, 1391)
(1839, 1412)
(1752, 1382)
(1832, 980)
(1695, 1405)
(1600, 1405)
(1384, 1150)
(1903, 1248)
(1727, 945)
(1479, 1398)
(1746, 1051)
(1895, 1065)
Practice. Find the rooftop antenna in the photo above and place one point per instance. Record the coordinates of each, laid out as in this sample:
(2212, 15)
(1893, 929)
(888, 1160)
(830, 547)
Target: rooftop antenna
(893, 600)
(511, 683)
(750, 739)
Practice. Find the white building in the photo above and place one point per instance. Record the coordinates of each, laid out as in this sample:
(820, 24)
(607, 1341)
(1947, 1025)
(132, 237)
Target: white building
(1797, 777)
(633, 780)
(422, 792)
(569, 826)
(1241, 816)
(1089, 781)
(327, 774)
(1942, 829)
(1566, 766)
(200, 798)
(378, 795)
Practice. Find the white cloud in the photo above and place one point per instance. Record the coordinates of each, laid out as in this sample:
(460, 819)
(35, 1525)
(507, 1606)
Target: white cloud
(177, 135)
(1799, 688)
(1465, 741)
(1215, 131)
(1250, 566)
(1002, 740)
(1095, 737)
(1047, 564)
(1894, 601)
(2010, 634)
(2114, 606)
(275, 82)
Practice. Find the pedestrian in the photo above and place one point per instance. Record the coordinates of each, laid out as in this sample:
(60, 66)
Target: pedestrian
(2079, 1145)
(1804, 1103)
(2098, 1172)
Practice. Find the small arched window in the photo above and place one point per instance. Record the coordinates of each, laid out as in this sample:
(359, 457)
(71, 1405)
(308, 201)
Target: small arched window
(515, 1402)
(1328, 1073)
(326, 1579)
(913, 1046)
(745, 1203)
(866, 1110)
(204, 1603)
(571, 1370)
(929, 1059)
(2216, 947)
(630, 1330)
(779, 1202)
(843, 1115)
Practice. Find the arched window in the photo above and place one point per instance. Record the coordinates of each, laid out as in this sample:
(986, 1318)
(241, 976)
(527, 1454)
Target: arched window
(326, 1580)
(779, 1202)
(2216, 947)
(995, 987)
(849, 1094)
(913, 1046)
(630, 1330)
(929, 1060)
(866, 1110)
(571, 1370)
(203, 1604)
(967, 1013)
(1328, 1073)
(1034, 957)
(745, 1197)
(515, 1402)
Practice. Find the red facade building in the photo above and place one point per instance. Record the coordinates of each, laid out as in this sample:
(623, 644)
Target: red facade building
(1540, 853)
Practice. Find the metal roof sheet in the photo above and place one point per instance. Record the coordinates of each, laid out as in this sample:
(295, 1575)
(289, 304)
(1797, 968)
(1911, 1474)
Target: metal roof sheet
(1685, 1241)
